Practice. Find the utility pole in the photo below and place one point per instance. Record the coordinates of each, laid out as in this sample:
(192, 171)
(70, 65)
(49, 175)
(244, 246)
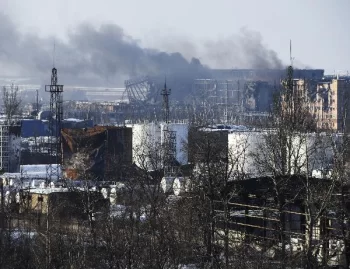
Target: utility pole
(37, 101)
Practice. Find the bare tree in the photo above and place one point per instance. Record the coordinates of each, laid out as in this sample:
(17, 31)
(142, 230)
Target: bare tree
(11, 101)
(288, 153)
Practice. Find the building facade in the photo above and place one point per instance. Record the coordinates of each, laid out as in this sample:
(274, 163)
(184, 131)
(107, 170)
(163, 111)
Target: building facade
(10, 147)
(97, 153)
(327, 101)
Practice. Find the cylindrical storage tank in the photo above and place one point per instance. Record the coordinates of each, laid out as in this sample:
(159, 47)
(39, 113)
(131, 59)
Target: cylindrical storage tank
(181, 185)
(13, 182)
(4, 181)
(37, 183)
(146, 140)
(115, 191)
(93, 188)
(10, 197)
(167, 184)
(105, 192)
(18, 197)
(113, 195)
(243, 148)
(52, 185)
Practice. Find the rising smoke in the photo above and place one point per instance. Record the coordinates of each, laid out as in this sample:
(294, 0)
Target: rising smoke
(243, 50)
(106, 56)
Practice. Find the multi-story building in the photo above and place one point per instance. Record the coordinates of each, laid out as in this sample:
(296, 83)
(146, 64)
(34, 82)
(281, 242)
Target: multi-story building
(10, 144)
(327, 100)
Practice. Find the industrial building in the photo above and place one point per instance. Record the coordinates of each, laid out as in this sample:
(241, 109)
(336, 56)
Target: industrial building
(34, 138)
(97, 153)
(94, 94)
(250, 154)
(60, 203)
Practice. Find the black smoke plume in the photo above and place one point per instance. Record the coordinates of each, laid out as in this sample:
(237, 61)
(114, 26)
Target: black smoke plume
(244, 50)
(105, 56)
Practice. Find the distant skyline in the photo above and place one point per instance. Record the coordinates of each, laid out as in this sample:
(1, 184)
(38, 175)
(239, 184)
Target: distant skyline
(208, 30)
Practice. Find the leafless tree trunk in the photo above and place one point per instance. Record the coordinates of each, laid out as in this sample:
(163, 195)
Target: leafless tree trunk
(289, 149)
(11, 101)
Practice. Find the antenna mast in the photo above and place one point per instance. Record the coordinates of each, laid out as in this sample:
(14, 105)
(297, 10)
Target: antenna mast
(290, 53)
(54, 139)
(165, 93)
(54, 53)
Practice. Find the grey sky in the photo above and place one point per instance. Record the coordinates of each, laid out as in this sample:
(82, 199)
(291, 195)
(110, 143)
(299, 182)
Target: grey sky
(319, 29)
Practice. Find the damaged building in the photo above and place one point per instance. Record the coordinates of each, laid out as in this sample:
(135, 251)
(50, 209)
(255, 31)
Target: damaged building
(97, 153)
(10, 147)
(230, 94)
(326, 100)
(60, 203)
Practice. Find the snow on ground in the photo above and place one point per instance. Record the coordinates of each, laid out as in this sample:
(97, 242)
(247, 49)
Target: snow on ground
(37, 168)
(73, 119)
(225, 127)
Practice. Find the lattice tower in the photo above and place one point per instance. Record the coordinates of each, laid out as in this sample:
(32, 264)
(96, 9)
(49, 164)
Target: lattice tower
(54, 139)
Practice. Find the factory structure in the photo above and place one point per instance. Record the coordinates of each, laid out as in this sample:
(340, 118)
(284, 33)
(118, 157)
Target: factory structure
(227, 97)
(52, 158)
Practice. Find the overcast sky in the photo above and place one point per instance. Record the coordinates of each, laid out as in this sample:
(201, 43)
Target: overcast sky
(318, 28)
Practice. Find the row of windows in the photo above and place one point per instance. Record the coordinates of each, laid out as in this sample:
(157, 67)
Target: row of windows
(315, 108)
(316, 116)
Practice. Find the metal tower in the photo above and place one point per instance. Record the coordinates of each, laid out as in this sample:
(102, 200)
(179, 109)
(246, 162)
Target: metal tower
(169, 137)
(165, 93)
(54, 139)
